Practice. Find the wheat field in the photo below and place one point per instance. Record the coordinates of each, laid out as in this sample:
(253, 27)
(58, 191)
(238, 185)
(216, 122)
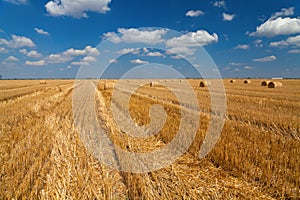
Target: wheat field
(43, 157)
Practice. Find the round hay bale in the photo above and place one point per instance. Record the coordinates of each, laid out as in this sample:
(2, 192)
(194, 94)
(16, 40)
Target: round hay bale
(108, 86)
(43, 82)
(274, 84)
(204, 83)
(265, 83)
(247, 81)
(232, 81)
(153, 84)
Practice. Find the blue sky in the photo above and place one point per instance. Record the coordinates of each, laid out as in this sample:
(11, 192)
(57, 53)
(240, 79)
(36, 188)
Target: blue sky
(53, 39)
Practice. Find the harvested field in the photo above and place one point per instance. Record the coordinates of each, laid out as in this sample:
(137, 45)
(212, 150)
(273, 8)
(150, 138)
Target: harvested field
(43, 157)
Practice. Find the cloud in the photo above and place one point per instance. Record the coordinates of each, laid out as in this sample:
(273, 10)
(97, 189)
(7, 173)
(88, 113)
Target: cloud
(58, 58)
(17, 42)
(11, 59)
(133, 35)
(34, 54)
(69, 54)
(41, 31)
(86, 51)
(138, 61)
(235, 64)
(76, 8)
(89, 59)
(258, 43)
(113, 61)
(294, 51)
(129, 50)
(3, 50)
(185, 51)
(76, 63)
(176, 57)
(36, 63)
(293, 41)
(283, 12)
(265, 59)
(226, 68)
(155, 54)
(228, 17)
(23, 51)
(145, 50)
(249, 67)
(194, 13)
(17, 2)
(193, 39)
(220, 4)
(242, 46)
(279, 26)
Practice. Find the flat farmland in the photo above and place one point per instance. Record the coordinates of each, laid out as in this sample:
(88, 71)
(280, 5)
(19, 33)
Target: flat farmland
(43, 157)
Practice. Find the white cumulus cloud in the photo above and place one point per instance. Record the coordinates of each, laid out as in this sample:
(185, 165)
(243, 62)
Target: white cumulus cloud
(284, 12)
(3, 50)
(41, 31)
(185, 51)
(138, 61)
(78, 52)
(293, 41)
(242, 46)
(76, 8)
(194, 13)
(248, 67)
(11, 59)
(265, 59)
(58, 58)
(69, 54)
(156, 53)
(34, 54)
(278, 26)
(23, 51)
(36, 63)
(133, 35)
(89, 59)
(228, 17)
(17, 42)
(129, 50)
(193, 39)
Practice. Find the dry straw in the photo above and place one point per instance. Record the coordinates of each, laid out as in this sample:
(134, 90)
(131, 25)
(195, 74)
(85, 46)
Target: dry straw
(232, 81)
(58, 89)
(108, 86)
(274, 84)
(247, 81)
(265, 83)
(204, 83)
(43, 82)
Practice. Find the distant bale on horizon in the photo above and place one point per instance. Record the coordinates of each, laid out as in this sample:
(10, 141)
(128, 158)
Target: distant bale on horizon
(232, 81)
(43, 82)
(153, 84)
(204, 84)
(274, 84)
(247, 81)
(265, 83)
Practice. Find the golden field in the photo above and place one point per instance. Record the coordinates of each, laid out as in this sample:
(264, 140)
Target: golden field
(256, 157)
